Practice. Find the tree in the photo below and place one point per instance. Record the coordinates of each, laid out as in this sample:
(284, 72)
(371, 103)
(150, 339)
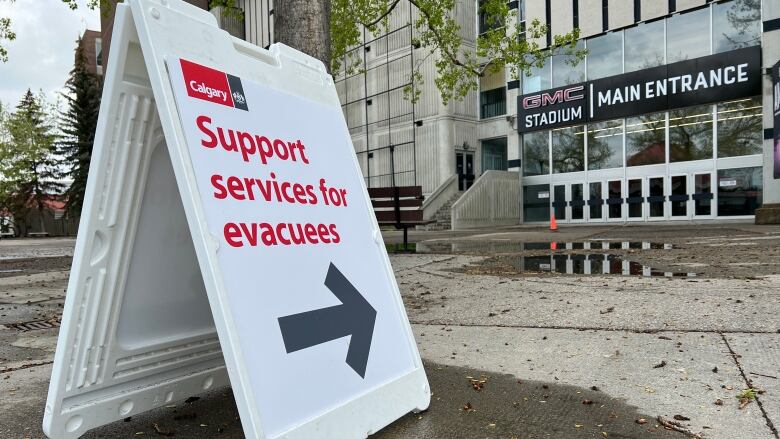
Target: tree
(328, 29)
(78, 127)
(27, 162)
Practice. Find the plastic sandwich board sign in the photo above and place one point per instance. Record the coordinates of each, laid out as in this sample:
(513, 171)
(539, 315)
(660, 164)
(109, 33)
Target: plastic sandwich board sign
(227, 238)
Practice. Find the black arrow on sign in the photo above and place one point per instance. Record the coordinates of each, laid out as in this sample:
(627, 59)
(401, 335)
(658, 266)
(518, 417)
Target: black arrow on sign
(355, 317)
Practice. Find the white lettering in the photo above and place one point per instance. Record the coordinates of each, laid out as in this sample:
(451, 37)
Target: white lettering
(605, 98)
(618, 98)
(635, 93)
(660, 87)
(701, 81)
(685, 83)
(729, 78)
(674, 80)
(716, 77)
(741, 73)
(208, 91)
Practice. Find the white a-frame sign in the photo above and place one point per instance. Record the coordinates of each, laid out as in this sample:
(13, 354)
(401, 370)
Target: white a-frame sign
(227, 238)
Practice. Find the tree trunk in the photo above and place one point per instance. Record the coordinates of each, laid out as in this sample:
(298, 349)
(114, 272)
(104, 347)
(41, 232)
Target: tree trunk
(304, 25)
(40, 220)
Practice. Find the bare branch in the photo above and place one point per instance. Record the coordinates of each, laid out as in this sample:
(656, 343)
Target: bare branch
(382, 17)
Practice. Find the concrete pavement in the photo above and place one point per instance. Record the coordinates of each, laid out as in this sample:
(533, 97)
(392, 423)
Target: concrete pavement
(543, 343)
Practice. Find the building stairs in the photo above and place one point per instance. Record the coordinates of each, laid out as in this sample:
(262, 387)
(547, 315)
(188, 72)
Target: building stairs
(443, 216)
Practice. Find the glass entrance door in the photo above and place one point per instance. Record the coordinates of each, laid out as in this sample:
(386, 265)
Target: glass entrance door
(559, 202)
(635, 200)
(464, 167)
(678, 196)
(595, 202)
(615, 200)
(702, 195)
(577, 202)
(656, 200)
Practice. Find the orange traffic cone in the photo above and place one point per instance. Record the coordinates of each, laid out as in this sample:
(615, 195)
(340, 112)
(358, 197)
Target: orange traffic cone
(553, 223)
(553, 246)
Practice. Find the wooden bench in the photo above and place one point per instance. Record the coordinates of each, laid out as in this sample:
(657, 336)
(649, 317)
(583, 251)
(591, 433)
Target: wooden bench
(399, 206)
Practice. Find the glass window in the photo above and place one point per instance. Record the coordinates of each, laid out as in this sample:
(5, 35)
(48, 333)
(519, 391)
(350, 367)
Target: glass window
(688, 35)
(494, 154)
(564, 73)
(536, 202)
(488, 22)
(568, 149)
(736, 24)
(605, 55)
(492, 103)
(739, 191)
(646, 140)
(536, 149)
(690, 134)
(539, 79)
(644, 46)
(99, 51)
(740, 130)
(605, 144)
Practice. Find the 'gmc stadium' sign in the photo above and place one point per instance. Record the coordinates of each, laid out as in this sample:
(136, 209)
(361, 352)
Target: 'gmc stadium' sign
(722, 77)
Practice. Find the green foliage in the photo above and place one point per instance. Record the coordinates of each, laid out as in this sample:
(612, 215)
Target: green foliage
(747, 394)
(78, 127)
(6, 33)
(28, 167)
(506, 43)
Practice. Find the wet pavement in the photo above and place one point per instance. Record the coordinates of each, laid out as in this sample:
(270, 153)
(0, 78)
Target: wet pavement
(557, 347)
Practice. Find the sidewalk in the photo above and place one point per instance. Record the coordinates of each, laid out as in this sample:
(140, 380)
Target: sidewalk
(517, 353)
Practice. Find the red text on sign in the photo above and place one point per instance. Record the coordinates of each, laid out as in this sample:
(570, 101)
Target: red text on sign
(249, 145)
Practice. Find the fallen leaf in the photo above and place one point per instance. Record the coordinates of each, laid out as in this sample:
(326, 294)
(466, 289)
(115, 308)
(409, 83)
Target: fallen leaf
(162, 432)
(660, 365)
(681, 418)
(641, 421)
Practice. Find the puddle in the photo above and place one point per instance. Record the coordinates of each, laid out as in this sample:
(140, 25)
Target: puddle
(591, 264)
(482, 247)
(400, 248)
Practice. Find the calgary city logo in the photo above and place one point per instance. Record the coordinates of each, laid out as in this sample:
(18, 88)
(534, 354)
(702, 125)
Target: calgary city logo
(238, 98)
(213, 85)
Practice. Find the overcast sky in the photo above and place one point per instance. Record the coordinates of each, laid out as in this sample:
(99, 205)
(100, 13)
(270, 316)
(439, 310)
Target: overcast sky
(42, 54)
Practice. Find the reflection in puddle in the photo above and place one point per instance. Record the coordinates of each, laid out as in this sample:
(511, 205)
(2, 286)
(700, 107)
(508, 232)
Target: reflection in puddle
(595, 264)
(515, 246)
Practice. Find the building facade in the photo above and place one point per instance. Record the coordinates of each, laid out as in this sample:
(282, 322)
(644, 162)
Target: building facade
(668, 117)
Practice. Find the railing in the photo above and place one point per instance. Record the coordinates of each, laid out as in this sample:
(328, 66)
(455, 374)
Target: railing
(493, 200)
(440, 196)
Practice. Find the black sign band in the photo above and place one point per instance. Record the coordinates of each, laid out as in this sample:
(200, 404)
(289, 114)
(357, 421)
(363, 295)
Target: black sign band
(714, 78)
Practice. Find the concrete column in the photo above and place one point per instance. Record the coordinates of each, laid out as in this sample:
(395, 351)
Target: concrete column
(769, 213)
(446, 144)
